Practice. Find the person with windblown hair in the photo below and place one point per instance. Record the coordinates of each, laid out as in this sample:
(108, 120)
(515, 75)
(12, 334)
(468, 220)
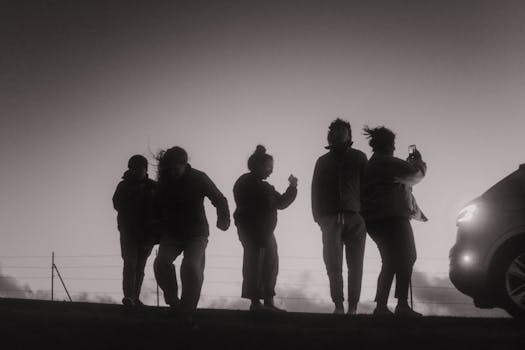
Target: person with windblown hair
(185, 229)
(256, 218)
(388, 207)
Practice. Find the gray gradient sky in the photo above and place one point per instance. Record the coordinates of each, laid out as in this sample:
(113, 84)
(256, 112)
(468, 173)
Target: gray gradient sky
(86, 84)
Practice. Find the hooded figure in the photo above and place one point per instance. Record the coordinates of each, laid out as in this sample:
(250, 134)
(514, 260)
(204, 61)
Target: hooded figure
(134, 201)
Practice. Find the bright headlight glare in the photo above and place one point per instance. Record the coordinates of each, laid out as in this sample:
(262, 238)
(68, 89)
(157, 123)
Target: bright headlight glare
(467, 214)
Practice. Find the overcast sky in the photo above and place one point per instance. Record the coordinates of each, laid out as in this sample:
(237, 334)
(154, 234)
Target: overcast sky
(86, 84)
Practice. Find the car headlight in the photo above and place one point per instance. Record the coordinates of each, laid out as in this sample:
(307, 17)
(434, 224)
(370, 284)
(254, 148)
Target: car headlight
(467, 214)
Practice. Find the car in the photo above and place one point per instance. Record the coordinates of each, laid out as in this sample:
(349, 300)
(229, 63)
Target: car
(487, 262)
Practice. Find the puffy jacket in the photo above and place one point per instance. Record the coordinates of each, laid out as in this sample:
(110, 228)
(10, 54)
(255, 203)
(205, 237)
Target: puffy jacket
(181, 204)
(388, 187)
(337, 182)
(134, 201)
(257, 203)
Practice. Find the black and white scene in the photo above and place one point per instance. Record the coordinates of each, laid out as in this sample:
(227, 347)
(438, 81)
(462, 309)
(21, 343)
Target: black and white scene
(238, 174)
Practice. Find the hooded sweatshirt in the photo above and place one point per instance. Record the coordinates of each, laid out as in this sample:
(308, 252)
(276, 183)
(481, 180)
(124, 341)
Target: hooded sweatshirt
(134, 201)
(337, 182)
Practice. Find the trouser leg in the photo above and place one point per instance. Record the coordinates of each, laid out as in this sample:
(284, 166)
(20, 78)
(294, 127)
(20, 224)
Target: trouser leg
(270, 268)
(129, 252)
(355, 238)
(333, 256)
(405, 259)
(164, 269)
(192, 272)
(251, 267)
(144, 252)
(382, 238)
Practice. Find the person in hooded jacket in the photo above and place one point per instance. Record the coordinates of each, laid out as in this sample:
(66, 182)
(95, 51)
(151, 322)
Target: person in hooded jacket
(336, 206)
(388, 206)
(185, 229)
(256, 218)
(133, 199)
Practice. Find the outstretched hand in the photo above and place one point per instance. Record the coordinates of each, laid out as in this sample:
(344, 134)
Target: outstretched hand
(223, 223)
(292, 180)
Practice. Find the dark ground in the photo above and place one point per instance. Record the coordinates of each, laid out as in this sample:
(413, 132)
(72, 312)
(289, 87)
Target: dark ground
(32, 324)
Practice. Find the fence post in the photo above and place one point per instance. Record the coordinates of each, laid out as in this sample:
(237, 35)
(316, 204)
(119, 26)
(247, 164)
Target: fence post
(52, 275)
(157, 283)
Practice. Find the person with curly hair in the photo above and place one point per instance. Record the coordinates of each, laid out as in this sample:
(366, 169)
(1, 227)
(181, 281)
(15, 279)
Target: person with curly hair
(388, 206)
(336, 206)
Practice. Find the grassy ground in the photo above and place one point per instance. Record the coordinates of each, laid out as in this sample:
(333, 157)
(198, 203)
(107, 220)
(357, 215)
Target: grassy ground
(31, 324)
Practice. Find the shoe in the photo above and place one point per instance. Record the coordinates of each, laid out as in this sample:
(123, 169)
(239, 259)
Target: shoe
(258, 308)
(406, 311)
(352, 310)
(274, 308)
(127, 301)
(383, 311)
(339, 310)
(139, 303)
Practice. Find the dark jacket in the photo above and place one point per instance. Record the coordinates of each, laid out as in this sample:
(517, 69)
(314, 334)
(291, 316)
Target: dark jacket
(257, 204)
(337, 182)
(388, 187)
(134, 201)
(181, 204)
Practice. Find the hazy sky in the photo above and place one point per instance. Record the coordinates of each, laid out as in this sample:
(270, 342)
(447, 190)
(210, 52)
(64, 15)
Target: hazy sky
(86, 84)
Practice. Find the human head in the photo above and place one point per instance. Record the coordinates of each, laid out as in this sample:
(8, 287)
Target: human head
(260, 163)
(381, 139)
(339, 133)
(138, 166)
(172, 163)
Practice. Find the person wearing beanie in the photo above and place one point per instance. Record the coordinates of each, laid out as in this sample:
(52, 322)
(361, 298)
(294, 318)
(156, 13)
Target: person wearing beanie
(336, 206)
(256, 218)
(134, 201)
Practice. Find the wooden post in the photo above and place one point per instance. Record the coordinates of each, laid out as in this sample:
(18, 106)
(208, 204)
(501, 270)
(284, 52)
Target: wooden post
(157, 284)
(52, 275)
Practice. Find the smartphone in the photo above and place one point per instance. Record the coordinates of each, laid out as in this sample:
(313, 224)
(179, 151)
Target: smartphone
(411, 149)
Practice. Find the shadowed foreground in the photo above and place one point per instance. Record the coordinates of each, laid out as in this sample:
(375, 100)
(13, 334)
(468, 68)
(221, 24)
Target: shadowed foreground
(62, 325)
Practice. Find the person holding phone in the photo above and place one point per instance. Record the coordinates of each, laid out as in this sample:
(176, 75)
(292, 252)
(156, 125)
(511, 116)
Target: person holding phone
(388, 207)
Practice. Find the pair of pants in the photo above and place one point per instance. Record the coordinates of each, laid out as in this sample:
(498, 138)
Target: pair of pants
(191, 270)
(135, 253)
(395, 241)
(344, 230)
(260, 266)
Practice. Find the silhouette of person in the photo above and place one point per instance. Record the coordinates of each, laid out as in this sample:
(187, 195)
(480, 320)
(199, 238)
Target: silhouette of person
(133, 200)
(388, 206)
(256, 218)
(336, 205)
(182, 190)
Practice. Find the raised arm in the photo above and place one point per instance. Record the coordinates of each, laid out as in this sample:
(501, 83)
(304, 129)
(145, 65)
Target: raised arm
(409, 172)
(284, 200)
